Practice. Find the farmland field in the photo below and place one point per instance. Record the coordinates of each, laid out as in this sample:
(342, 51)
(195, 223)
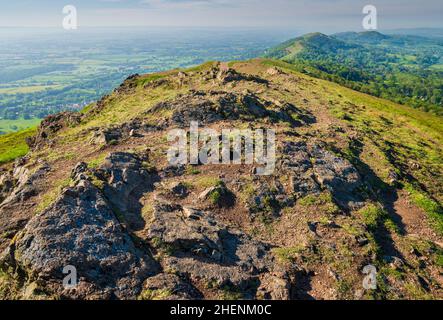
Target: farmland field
(45, 71)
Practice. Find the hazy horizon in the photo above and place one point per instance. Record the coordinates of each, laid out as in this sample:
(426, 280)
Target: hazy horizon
(304, 15)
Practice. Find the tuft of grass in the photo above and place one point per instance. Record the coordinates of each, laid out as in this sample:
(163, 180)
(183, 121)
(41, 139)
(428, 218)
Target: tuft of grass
(416, 292)
(50, 197)
(159, 294)
(95, 163)
(206, 182)
(439, 259)
(149, 78)
(323, 200)
(148, 211)
(215, 197)
(373, 216)
(205, 66)
(99, 184)
(287, 255)
(192, 171)
(13, 145)
(163, 248)
(231, 294)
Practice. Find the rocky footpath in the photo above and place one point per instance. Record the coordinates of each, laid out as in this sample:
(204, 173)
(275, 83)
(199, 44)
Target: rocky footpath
(84, 228)
(91, 224)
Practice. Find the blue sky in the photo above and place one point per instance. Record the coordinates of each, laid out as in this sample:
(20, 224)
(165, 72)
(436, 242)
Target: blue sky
(310, 15)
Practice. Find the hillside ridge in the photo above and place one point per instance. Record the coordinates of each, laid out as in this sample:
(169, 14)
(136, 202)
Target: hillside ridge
(400, 68)
(354, 185)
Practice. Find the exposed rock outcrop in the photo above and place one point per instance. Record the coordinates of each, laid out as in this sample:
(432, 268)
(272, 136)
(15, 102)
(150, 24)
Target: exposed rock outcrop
(313, 168)
(51, 125)
(81, 230)
(114, 134)
(216, 106)
(206, 251)
(19, 184)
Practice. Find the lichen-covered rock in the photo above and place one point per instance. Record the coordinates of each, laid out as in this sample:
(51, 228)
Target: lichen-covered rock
(19, 185)
(229, 75)
(313, 169)
(6, 185)
(337, 175)
(81, 230)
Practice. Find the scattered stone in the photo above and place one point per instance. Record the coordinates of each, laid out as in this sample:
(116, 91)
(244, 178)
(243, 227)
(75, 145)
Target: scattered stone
(172, 171)
(219, 195)
(274, 71)
(180, 190)
(21, 184)
(415, 166)
(207, 251)
(362, 241)
(192, 214)
(394, 262)
(393, 177)
(334, 275)
(274, 288)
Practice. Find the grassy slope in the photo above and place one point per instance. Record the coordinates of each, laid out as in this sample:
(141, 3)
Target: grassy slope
(312, 52)
(13, 145)
(394, 135)
(8, 126)
(403, 135)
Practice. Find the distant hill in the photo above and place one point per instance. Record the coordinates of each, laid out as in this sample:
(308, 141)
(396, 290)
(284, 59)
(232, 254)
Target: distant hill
(407, 69)
(309, 43)
(424, 32)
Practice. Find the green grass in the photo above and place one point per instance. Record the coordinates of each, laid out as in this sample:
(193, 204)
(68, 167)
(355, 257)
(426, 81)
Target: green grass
(205, 182)
(372, 215)
(417, 293)
(152, 77)
(28, 89)
(231, 294)
(323, 200)
(431, 207)
(398, 134)
(8, 126)
(201, 67)
(159, 294)
(287, 255)
(98, 161)
(13, 145)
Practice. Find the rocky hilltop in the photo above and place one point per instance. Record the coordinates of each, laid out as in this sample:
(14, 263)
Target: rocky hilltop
(358, 182)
